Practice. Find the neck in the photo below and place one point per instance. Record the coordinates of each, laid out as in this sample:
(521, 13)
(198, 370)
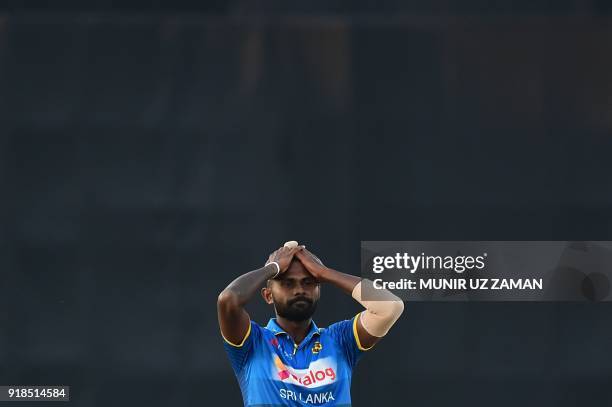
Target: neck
(297, 330)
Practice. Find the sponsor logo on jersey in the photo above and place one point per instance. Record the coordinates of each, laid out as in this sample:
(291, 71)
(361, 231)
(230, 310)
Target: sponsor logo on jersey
(319, 373)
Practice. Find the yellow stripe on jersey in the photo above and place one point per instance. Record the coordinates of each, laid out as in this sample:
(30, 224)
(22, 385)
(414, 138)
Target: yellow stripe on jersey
(357, 336)
(241, 343)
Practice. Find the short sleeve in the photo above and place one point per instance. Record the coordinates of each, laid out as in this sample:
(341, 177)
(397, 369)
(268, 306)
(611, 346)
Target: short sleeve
(345, 334)
(239, 354)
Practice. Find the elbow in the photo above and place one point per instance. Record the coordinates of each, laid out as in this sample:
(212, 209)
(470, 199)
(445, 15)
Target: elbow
(393, 311)
(397, 309)
(227, 300)
(386, 310)
(378, 324)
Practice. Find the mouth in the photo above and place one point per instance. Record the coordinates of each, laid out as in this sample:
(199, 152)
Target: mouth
(301, 302)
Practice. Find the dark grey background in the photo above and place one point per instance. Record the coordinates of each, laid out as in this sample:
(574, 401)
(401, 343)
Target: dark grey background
(150, 154)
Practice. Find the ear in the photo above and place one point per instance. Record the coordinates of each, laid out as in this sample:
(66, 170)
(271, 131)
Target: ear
(266, 293)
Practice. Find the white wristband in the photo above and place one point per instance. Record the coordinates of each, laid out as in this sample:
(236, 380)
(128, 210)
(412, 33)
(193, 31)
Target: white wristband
(277, 268)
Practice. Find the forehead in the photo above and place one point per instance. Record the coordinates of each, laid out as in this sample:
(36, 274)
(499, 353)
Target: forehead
(296, 270)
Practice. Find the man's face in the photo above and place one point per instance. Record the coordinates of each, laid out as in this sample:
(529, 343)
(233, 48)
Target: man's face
(295, 293)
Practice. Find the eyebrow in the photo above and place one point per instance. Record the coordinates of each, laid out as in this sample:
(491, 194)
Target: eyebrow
(296, 279)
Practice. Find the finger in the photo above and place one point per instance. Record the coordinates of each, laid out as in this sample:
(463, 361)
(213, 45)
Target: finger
(284, 252)
(295, 250)
(313, 256)
(307, 251)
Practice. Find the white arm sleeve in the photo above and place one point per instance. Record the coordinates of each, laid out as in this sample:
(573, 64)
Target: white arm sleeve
(379, 315)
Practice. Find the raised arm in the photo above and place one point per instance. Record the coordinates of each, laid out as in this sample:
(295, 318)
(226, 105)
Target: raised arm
(234, 321)
(378, 317)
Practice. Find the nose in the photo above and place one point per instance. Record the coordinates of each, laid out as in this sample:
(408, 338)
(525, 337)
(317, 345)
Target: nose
(300, 290)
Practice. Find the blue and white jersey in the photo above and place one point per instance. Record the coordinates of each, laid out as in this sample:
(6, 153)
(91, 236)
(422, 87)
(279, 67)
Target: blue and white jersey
(273, 371)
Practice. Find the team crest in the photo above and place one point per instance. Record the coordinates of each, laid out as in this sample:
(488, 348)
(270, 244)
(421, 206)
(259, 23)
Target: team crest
(317, 347)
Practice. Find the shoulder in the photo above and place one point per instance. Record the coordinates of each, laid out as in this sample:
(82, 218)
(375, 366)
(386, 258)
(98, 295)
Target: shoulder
(341, 329)
(253, 335)
(345, 333)
(257, 330)
(241, 354)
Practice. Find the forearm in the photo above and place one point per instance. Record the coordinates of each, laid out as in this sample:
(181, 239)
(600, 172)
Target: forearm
(243, 288)
(380, 313)
(345, 282)
(379, 303)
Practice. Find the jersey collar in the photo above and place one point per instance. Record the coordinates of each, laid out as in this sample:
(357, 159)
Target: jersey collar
(277, 330)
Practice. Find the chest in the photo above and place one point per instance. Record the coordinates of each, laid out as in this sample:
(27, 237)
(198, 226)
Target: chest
(301, 355)
(311, 364)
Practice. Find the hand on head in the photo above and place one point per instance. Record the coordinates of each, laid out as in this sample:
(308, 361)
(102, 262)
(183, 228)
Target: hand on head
(284, 255)
(312, 263)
